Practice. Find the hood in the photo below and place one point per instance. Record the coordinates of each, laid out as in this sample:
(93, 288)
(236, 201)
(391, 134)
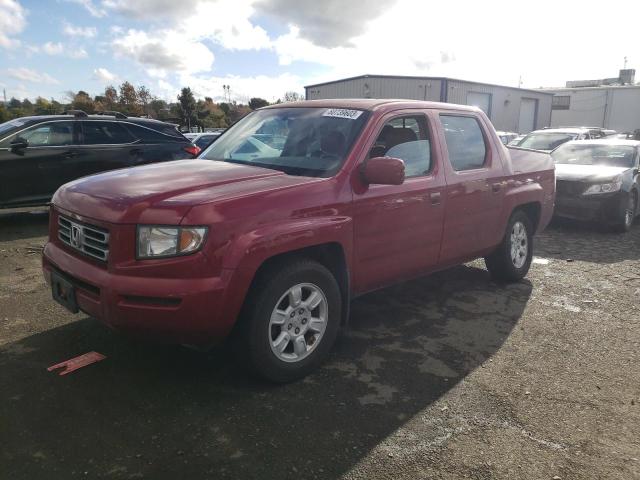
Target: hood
(587, 173)
(164, 192)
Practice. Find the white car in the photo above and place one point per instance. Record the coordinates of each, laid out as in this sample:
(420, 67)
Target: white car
(506, 137)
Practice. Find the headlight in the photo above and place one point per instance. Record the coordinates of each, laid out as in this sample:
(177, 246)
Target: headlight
(603, 188)
(161, 241)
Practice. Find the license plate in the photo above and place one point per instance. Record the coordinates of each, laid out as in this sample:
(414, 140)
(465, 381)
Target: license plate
(64, 293)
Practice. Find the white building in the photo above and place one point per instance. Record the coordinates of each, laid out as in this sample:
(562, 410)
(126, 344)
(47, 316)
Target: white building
(509, 108)
(612, 103)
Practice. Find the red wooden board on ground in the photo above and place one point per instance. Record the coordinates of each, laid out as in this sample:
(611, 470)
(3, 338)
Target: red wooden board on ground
(77, 362)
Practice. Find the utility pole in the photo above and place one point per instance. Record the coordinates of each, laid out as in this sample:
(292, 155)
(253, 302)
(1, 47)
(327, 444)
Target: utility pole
(4, 93)
(625, 65)
(520, 82)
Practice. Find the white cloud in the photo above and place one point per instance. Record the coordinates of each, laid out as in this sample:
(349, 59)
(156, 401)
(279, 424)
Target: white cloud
(90, 7)
(13, 19)
(75, 31)
(329, 24)
(164, 51)
(28, 75)
(104, 75)
(178, 45)
(146, 8)
(496, 45)
(77, 53)
(52, 48)
(58, 48)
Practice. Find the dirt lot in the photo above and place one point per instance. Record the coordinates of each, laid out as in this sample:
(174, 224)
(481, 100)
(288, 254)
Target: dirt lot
(450, 376)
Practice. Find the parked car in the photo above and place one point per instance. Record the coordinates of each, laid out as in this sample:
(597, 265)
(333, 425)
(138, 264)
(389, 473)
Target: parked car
(547, 139)
(358, 198)
(506, 137)
(202, 140)
(39, 154)
(514, 142)
(593, 132)
(598, 180)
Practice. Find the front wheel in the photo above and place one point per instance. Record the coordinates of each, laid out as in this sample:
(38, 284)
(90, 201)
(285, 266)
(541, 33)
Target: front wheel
(627, 214)
(292, 320)
(511, 260)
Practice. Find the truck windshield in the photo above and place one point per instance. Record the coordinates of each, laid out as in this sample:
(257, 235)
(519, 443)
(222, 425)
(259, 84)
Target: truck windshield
(545, 141)
(302, 141)
(608, 155)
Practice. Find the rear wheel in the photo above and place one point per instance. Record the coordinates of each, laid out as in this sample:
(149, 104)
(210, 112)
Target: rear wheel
(292, 320)
(627, 213)
(511, 260)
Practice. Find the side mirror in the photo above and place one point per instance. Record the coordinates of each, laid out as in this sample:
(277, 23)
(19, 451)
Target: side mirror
(18, 144)
(383, 171)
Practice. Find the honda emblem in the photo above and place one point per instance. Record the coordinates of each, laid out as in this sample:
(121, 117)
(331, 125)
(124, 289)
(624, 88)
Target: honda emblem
(76, 236)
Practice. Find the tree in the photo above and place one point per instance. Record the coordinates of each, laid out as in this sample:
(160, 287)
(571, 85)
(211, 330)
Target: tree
(187, 107)
(144, 96)
(111, 97)
(256, 102)
(211, 115)
(82, 101)
(293, 97)
(129, 99)
(158, 108)
(42, 106)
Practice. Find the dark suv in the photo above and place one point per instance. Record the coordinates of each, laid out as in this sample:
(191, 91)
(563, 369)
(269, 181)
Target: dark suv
(39, 154)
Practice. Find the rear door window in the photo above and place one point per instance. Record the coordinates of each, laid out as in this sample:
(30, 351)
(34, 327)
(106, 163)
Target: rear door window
(465, 142)
(105, 133)
(149, 135)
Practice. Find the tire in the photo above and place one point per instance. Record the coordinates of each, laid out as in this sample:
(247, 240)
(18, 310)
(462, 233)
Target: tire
(509, 264)
(263, 341)
(627, 213)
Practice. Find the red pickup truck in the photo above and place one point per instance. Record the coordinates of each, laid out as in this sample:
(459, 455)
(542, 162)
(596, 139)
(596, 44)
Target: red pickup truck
(287, 216)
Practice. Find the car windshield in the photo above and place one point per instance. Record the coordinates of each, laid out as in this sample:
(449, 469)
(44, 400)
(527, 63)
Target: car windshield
(546, 140)
(10, 125)
(609, 155)
(298, 141)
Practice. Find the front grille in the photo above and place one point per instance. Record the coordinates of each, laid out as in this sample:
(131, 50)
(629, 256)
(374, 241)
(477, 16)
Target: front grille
(88, 239)
(564, 187)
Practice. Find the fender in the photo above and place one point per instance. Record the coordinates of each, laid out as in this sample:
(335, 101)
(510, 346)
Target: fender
(520, 192)
(251, 249)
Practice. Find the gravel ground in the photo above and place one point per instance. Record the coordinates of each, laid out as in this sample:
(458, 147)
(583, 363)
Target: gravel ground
(450, 376)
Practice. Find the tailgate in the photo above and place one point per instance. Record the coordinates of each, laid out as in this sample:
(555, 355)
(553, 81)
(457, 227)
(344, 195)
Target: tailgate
(524, 160)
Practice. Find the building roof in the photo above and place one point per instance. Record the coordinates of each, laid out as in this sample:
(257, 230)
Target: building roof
(601, 87)
(371, 104)
(422, 78)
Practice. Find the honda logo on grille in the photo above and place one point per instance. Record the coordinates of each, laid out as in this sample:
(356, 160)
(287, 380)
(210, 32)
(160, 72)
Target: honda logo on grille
(76, 236)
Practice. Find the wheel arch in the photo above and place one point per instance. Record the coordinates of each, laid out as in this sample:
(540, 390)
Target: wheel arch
(331, 255)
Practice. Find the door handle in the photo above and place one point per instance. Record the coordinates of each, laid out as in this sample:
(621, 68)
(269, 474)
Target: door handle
(135, 151)
(70, 154)
(435, 198)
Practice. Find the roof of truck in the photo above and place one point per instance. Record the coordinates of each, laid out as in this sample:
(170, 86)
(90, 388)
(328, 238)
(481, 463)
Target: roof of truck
(372, 104)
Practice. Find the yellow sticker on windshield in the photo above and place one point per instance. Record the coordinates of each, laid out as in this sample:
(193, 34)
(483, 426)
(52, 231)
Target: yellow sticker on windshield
(342, 113)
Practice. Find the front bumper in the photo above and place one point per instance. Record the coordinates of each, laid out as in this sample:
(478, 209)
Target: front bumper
(604, 208)
(176, 310)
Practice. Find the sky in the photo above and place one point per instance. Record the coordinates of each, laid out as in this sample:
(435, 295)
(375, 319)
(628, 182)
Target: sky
(264, 48)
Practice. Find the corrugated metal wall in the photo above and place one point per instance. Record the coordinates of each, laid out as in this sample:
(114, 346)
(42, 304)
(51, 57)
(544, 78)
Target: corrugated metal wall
(505, 102)
(613, 107)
